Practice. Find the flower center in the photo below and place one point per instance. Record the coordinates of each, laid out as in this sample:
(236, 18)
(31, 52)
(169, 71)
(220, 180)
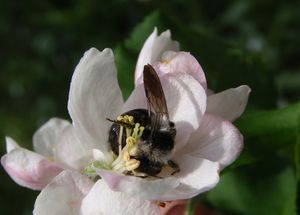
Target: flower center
(124, 163)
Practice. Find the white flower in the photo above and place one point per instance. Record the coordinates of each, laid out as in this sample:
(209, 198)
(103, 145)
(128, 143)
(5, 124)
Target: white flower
(205, 142)
(35, 170)
(71, 193)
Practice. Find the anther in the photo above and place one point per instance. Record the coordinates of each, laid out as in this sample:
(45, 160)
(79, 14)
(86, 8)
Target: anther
(120, 118)
(130, 141)
(132, 164)
(126, 156)
(130, 119)
(141, 130)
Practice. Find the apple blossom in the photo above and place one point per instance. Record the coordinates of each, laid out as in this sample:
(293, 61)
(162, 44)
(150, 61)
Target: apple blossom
(35, 170)
(206, 140)
(72, 156)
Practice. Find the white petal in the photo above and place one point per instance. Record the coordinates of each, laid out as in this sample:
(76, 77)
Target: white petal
(138, 187)
(63, 195)
(102, 200)
(100, 156)
(180, 62)
(72, 152)
(229, 104)
(10, 144)
(216, 140)
(196, 176)
(152, 50)
(186, 100)
(46, 137)
(29, 169)
(94, 96)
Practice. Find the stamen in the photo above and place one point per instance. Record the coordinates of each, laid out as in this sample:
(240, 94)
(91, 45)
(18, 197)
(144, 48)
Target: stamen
(133, 150)
(120, 138)
(128, 132)
(126, 156)
(124, 162)
(140, 132)
(132, 164)
(130, 141)
(120, 118)
(136, 130)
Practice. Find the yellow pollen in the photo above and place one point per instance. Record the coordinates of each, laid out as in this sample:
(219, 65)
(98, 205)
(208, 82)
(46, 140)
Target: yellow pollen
(165, 61)
(132, 164)
(125, 161)
(130, 141)
(141, 130)
(133, 151)
(130, 118)
(136, 130)
(120, 118)
(51, 158)
(126, 156)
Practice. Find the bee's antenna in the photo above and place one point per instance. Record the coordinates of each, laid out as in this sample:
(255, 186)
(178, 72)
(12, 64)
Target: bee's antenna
(125, 124)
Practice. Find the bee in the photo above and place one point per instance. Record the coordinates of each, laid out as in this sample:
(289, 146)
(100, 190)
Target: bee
(156, 143)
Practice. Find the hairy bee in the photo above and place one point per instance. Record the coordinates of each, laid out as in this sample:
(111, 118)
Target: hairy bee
(155, 144)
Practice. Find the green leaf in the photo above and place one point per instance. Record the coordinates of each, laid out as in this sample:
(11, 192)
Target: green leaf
(277, 122)
(266, 189)
(189, 209)
(142, 31)
(275, 130)
(297, 151)
(275, 133)
(125, 65)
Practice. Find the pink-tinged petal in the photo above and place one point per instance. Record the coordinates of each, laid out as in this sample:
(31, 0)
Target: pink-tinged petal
(152, 50)
(29, 169)
(229, 104)
(46, 137)
(186, 100)
(181, 62)
(102, 200)
(216, 140)
(94, 96)
(72, 152)
(196, 176)
(63, 196)
(11, 144)
(138, 187)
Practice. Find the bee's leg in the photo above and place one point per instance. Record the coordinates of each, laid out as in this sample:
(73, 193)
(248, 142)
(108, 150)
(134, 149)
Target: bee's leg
(140, 174)
(135, 173)
(174, 166)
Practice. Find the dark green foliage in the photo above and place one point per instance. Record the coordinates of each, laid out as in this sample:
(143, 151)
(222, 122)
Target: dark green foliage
(237, 42)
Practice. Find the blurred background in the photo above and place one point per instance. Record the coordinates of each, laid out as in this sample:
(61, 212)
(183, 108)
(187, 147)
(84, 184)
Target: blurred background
(250, 42)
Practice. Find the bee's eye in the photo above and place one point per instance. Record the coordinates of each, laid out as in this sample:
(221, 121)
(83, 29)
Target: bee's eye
(172, 124)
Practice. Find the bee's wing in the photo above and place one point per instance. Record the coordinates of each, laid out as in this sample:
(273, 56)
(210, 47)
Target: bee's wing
(155, 98)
